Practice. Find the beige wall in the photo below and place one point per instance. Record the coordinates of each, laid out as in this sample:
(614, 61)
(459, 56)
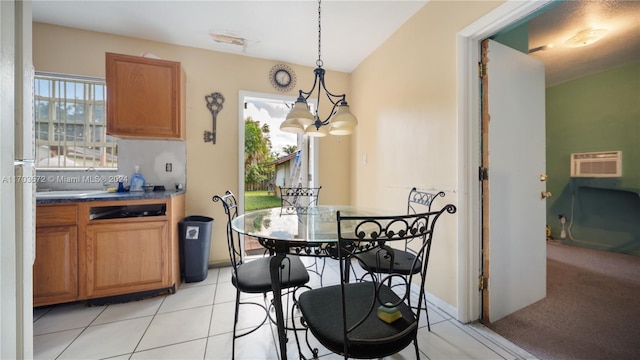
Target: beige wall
(211, 169)
(404, 95)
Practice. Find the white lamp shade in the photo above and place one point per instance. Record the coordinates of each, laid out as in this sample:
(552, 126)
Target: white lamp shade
(291, 126)
(343, 122)
(300, 113)
(313, 132)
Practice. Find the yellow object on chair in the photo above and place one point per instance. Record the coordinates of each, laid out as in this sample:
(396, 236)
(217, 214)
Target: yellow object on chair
(388, 313)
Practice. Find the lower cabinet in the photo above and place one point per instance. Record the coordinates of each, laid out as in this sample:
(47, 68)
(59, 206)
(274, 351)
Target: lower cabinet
(83, 252)
(127, 258)
(55, 272)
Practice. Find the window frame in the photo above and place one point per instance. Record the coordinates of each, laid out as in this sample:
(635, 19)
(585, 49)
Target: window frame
(55, 104)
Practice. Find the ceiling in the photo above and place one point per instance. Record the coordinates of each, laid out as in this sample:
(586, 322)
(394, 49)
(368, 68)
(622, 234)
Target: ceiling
(284, 30)
(620, 44)
(287, 31)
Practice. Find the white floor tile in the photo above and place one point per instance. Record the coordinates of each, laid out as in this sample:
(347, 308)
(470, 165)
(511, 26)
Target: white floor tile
(197, 321)
(189, 298)
(101, 341)
(249, 316)
(446, 341)
(187, 350)
(130, 310)
(49, 346)
(176, 327)
(66, 317)
(258, 345)
(212, 278)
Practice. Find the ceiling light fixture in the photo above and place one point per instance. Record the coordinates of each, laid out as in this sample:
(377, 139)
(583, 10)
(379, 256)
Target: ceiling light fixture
(585, 37)
(340, 120)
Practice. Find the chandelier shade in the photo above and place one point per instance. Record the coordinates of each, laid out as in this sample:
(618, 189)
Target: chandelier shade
(340, 120)
(292, 126)
(343, 122)
(301, 113)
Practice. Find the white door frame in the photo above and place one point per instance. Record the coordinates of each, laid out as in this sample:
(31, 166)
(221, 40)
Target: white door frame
(469, 152)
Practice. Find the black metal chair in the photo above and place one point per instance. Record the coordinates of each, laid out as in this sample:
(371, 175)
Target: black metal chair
(294, 200)
(298, 200)
(369, 319)
(254, 276)
(402, 261)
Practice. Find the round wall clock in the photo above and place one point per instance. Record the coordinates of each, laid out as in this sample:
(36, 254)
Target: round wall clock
(282, 77)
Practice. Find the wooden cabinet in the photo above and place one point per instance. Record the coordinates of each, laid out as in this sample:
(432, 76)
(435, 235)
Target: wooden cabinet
(145, 97)
(125, 257)
(81, 256)
(55, 271)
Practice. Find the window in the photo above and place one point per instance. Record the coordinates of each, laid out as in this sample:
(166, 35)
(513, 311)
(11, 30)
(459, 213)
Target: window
(70, 123)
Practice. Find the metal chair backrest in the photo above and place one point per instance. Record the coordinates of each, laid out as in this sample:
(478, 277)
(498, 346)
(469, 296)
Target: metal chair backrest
(294, 199)
(230, 206)
(419, 202)
(360, 234)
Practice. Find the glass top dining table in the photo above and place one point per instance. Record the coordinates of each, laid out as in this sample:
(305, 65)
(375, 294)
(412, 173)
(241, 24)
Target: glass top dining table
(302, 230)
(307, 231)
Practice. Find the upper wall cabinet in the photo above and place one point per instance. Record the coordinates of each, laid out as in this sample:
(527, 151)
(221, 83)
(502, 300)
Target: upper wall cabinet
(145, 98)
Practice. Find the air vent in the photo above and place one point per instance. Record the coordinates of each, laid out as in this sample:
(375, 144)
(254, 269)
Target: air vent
(604, 164)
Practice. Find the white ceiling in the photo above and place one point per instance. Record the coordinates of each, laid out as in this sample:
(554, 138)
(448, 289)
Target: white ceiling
(619, 46)
(287, 30)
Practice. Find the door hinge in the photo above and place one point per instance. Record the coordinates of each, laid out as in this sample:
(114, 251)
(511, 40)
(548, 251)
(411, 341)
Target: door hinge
(483, 173)
(483, 283)
(482, 69)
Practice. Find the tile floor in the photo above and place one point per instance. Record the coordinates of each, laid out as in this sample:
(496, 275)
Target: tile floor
(196, 323)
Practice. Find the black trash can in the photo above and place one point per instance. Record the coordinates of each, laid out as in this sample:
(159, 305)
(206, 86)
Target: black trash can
(195, 243)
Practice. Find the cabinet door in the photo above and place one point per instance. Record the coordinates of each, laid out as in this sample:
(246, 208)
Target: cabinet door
(126, 258)
(143, 97)
(55, 271)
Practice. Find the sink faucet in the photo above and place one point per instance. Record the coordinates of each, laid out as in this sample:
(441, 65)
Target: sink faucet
(105, 183)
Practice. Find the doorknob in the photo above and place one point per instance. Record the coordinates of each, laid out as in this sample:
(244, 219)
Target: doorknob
(545, 194)
(543, 177)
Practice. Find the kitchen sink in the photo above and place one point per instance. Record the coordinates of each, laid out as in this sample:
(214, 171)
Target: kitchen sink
(68, 194)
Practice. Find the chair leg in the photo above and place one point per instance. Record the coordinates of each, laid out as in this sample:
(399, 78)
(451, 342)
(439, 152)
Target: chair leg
(426, 311)
(235, 323)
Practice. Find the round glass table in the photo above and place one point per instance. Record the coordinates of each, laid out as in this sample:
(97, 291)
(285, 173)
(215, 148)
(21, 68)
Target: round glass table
(305, 231)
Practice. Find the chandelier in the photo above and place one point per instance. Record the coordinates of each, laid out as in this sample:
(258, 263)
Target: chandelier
(340, 121)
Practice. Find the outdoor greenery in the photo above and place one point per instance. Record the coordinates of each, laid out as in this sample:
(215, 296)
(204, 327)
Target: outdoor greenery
(257, 153)
(255, 200)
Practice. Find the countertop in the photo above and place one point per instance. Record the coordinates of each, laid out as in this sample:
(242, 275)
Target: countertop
(115, 196)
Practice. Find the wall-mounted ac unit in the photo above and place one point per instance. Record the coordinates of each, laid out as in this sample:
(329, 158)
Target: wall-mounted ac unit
(603, 164)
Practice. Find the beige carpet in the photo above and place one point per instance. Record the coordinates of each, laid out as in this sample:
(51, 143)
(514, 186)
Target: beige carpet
(592, 308)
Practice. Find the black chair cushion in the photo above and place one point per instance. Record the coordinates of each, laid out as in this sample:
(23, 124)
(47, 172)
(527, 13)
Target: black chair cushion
(403, 262)
(255, 277)
(374, 338)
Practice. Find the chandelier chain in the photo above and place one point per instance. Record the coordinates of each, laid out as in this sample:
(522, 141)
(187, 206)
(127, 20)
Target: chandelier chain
(319, 61)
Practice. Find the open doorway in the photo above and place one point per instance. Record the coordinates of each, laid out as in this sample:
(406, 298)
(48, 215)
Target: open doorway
(270, 158)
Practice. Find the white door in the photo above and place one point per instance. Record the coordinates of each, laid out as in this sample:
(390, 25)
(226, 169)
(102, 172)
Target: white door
(515, 215)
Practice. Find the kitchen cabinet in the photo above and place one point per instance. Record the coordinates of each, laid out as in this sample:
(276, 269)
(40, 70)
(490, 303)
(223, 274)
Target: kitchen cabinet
(127, 257)
(104, 248)
(145, 97)
(55, 270)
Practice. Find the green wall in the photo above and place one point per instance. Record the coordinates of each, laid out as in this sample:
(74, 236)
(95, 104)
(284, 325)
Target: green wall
(600, 112)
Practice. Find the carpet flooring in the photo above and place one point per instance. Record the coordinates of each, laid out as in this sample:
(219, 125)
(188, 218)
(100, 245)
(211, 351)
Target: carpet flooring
(591, 311)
